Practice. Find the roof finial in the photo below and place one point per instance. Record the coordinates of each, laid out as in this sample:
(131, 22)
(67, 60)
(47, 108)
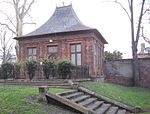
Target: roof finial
(63, 4)
(71, 3)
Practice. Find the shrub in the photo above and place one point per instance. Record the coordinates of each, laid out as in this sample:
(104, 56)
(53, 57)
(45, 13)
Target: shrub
(49, 68)
(31, 68)
(64, 69)
(17, 67)
(7, 70)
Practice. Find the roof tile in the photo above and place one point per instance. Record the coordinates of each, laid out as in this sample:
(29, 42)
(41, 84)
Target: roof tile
(64, 19)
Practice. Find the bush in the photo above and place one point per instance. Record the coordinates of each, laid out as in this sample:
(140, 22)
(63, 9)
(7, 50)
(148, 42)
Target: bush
(7, 70)
(49, 68)
(64, 69)
(17, 67)
(31, 68)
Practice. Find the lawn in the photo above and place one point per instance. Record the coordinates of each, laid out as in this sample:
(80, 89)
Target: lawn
(13, 100)
(134, 96)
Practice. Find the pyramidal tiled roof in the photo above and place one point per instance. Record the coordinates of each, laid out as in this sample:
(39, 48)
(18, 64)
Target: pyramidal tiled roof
(64, 19)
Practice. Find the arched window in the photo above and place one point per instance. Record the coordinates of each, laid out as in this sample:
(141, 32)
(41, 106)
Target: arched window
(52, 52)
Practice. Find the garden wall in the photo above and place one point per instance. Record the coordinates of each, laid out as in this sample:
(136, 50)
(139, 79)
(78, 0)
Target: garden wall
(120, 72)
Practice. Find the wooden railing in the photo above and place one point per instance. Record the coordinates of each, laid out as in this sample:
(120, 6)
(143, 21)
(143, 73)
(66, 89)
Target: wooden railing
(80, 72)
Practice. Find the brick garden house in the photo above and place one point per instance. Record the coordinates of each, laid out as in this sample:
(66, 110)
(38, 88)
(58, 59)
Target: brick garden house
(64, 36)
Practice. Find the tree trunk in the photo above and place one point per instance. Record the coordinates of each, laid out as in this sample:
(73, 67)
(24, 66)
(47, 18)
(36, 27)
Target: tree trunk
(19, 29)
(134, 49)
(135, 67)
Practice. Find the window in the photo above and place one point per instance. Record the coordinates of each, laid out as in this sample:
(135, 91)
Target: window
(32, 53)
(52, 51)
(76, 54)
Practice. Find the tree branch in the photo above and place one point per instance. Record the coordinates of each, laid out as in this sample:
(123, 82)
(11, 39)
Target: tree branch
(147, 10)
(29, 23)
(23, 8)
(129, 3)
(9, 39)
(28, 7)
(6, 2)
(6, 48)
(144, 37)
(139, 23)
(7, 26)
(9, 18)
(123, 9)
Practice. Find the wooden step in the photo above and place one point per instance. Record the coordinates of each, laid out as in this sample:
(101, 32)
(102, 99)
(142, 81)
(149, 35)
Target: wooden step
(95, 105)
(67, 92)
(102, 109)
(121, 112)
(87, 101)
(80, 98)
(112, 110)
(73, 95)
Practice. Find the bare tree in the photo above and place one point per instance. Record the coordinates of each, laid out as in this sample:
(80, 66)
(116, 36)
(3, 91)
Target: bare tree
(15, 24)
(144, 36)
(135, 30)
(6, 47)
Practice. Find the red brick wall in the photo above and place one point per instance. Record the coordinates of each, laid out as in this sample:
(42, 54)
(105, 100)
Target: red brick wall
(88, 43)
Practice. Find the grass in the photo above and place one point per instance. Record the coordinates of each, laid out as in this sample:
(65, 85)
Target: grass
(134, 96)
(13, 100)
(56, 90)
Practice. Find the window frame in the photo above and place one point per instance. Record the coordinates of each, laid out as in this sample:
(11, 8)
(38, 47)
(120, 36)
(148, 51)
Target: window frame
(76, 53)
(33, 54)
(52, 47)
(52, 54)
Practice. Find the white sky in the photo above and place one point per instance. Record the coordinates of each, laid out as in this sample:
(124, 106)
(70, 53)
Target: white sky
(107, 17)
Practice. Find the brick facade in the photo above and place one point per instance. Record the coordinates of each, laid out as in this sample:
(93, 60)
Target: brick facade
(91, 45)
(61, 33)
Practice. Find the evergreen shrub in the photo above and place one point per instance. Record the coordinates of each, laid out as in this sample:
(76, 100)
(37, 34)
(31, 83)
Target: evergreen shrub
(31, 68)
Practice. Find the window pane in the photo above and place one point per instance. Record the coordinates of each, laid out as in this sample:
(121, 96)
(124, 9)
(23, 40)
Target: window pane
(52, 49)
(78, 48)
(29, 51)
(79, 59)
(34, 51)
(73, 59)
(72, 48)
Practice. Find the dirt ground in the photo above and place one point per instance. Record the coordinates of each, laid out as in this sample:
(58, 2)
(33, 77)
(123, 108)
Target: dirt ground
(51, 108)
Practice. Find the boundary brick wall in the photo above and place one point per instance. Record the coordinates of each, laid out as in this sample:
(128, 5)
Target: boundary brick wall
(120, 72)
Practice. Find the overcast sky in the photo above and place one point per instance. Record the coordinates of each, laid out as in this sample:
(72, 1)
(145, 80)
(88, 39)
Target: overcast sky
(107, 17)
